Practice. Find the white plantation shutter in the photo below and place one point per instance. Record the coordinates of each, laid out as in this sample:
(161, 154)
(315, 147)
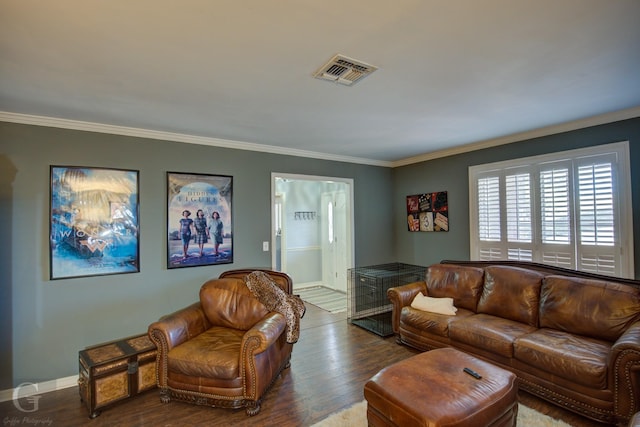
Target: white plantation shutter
(595, 190)
(555, 215)
(597, 219)
(489, 209)
(518, 191)
(520, 254)
(489, 253)
(569, 209)
(556, 237)
(519, 216)
(489, 227)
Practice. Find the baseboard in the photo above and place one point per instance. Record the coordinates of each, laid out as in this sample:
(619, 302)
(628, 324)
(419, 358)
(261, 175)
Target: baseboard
(31, 389)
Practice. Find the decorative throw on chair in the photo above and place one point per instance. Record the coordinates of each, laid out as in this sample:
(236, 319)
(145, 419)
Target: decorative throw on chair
(275, 299)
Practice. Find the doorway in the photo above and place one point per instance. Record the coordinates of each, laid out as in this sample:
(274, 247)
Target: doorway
(312, 229)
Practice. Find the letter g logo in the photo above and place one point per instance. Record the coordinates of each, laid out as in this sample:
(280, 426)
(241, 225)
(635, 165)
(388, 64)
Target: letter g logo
(30, 396)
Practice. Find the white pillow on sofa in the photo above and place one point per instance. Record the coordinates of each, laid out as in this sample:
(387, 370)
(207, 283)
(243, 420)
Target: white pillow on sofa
(434, 305)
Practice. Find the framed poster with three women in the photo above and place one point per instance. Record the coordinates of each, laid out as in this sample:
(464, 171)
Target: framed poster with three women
(428, 212)
(199, 219)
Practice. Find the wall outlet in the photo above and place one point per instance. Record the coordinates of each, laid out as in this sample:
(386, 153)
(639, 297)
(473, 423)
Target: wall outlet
(265, 246)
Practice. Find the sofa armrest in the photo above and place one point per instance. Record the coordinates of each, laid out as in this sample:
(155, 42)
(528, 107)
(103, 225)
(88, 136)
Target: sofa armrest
(624, 365)
(401, 296)
(172, 330)
(630, 339)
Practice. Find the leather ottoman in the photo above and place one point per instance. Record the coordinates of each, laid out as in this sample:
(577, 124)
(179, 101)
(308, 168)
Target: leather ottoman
(432, 389)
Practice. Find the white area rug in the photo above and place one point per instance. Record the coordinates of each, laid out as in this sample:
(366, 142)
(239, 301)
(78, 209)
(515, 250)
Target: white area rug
(356, 416)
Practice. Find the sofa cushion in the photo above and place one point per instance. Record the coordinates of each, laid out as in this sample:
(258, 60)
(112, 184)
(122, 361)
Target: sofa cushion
(512, 293)
(230, 303)
(462, 283)
(212, 354)
(577, 359)
(489, 333)
(434, 305)
(430, 323)
(594, 308)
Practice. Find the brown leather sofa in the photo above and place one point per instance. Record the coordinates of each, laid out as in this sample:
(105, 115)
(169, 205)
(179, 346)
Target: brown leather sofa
(572, 338)
(225, 350)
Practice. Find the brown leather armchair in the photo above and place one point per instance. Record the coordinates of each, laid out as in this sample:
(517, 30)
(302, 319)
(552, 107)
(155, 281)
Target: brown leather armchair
(225, 350)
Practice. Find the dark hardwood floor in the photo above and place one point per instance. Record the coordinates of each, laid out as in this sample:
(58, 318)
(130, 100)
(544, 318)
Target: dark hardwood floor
(330, 364)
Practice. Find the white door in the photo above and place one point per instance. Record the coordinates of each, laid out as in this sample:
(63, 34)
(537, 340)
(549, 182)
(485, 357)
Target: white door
(280, 241)
(335, 237)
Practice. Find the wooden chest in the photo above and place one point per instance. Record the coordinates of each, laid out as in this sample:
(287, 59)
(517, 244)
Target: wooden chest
(113, 371)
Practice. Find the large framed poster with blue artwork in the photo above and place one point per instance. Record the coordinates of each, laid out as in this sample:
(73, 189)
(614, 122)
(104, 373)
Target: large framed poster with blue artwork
(199, 219)
(93, 228)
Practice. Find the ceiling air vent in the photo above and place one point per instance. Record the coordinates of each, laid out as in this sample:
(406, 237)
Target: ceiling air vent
(343, 70)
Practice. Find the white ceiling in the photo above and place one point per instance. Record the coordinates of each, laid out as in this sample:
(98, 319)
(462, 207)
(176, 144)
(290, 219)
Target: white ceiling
(451, 73)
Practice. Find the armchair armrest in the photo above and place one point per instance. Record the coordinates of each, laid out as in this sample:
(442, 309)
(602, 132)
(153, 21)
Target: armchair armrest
(172, 330)
(401, 296)
(176, 328)
(624, 365)
(263, 334)
(263, 352)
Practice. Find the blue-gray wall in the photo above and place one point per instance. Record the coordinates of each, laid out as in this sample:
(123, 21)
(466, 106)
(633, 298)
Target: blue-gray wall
(46, 322)
(451, 174)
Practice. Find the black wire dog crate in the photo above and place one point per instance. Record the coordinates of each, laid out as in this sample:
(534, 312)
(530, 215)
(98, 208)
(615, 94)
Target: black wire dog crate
(367, 303)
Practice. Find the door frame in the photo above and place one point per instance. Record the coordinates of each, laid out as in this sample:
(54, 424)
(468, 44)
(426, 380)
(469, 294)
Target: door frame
(350, 212)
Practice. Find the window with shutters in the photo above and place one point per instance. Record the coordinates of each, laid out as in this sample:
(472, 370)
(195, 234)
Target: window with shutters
(570, 209)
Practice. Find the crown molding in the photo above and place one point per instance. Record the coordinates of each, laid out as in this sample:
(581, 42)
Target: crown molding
(55, 122)
(615, 116)
(6, 116)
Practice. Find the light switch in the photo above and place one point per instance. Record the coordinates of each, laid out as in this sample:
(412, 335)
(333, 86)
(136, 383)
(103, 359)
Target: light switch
(265, 246)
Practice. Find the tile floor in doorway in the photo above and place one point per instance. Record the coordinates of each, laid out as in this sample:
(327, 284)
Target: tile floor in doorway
(326, 298)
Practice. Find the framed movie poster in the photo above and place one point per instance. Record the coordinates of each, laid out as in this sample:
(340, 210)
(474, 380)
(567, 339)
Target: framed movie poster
(93, 228)
(428, 212)
(199, 219)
